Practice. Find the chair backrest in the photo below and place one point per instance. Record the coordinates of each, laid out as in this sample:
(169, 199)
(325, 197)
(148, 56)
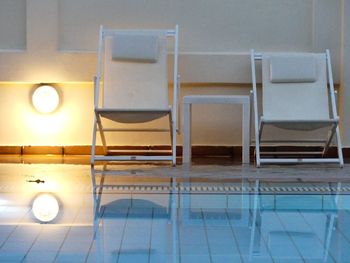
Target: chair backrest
(133, 66)
(295, 86)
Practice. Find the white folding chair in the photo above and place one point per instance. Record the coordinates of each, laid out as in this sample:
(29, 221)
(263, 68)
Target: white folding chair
(295, 96)
(132, 77)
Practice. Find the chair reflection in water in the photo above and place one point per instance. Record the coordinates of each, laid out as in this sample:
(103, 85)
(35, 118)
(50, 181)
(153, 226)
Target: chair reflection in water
(128, 223)
(293, 226)
(177, 218)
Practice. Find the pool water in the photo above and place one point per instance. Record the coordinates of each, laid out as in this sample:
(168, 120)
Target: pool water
(101, 215)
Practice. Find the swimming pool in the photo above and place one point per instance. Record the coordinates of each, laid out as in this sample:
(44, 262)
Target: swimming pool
(69, 213)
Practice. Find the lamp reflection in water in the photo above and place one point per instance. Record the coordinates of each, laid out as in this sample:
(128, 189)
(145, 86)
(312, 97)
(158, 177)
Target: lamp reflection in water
(45, 207)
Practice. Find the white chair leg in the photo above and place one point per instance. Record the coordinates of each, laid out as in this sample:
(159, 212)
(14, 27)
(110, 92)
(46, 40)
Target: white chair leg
(340, 148)
(93, 145)
(173, 139)
(103, 138)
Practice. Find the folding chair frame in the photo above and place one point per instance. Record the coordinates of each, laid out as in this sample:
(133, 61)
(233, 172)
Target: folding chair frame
(97, 126)
(259, 124)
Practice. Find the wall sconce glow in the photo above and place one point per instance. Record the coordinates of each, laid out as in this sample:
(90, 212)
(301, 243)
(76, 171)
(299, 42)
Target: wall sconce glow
(45, 208)
(45, 99)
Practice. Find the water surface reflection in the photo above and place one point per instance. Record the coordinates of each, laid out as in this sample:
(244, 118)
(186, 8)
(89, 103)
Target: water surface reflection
(123, 215)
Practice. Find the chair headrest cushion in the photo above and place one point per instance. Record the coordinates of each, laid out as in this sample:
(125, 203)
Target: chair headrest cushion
(293, 68)
(136, 47)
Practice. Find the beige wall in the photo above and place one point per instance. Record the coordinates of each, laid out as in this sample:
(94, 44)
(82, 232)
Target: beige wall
(72, 123)
(345, 70)
(55, 41)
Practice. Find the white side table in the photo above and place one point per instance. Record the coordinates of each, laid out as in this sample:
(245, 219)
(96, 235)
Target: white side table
(215, 99)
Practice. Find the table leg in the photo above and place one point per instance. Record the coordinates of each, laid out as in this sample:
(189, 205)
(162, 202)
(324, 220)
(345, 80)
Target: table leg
(245, 132)
(186, 154)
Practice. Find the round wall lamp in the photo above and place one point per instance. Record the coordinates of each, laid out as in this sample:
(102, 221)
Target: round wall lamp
(45, 99)
(45, 207)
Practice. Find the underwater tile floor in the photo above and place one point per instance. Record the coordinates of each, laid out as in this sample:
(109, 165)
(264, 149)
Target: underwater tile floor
(61, 212)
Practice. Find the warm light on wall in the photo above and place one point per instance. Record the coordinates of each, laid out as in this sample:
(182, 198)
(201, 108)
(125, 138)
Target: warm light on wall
(45, 99)
(45, 208)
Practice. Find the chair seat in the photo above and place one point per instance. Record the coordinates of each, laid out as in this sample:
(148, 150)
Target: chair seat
(134, 115)
(302, 125)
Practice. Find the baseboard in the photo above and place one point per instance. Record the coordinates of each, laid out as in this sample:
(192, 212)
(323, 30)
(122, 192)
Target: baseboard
(203, 150)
